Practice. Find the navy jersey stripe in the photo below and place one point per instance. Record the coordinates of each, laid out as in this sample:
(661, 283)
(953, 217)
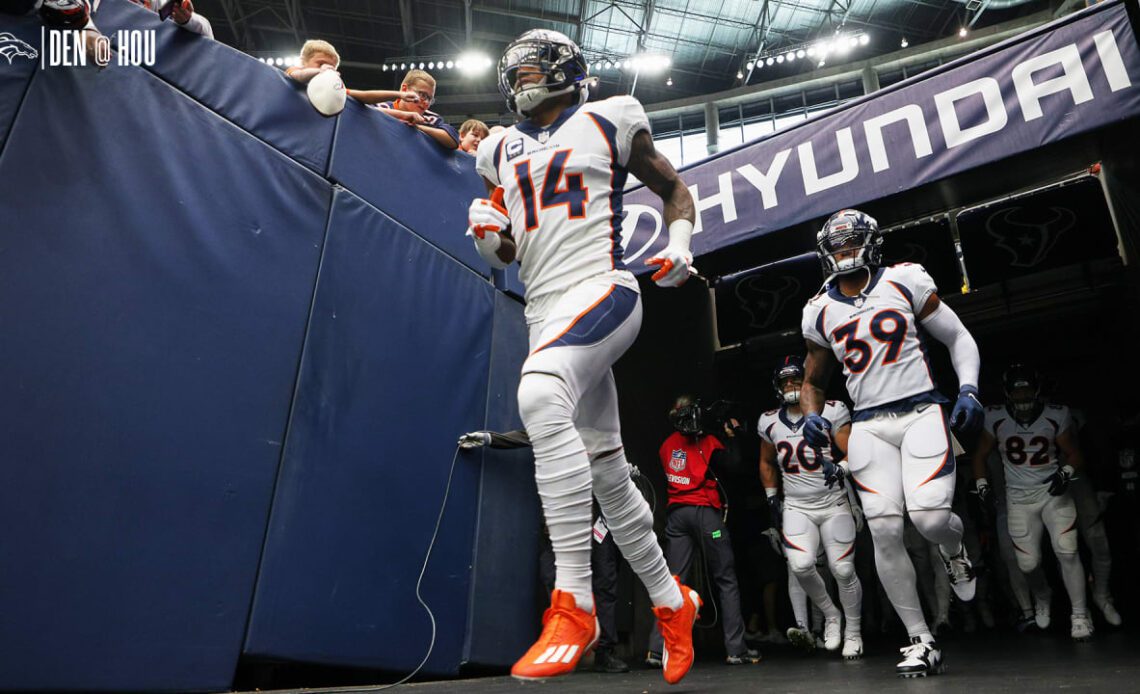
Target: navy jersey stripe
(618, 176)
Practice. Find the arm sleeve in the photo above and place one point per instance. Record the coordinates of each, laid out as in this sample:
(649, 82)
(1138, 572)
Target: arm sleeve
(485, 159)
(199, 25)
(628, 118)
(812, 323)
(947, 328)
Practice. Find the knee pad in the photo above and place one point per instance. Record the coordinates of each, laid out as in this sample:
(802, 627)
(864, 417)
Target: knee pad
(800, 563)
(545, 404)
(930, 521)
(886, 529)
(1027, 561)
(843, 571)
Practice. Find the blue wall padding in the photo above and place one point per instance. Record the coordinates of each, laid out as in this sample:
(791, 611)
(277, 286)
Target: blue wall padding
(255, 96)
(155, 285)
(504, 585)
(16, 69)
(422, 186)
(395, 368)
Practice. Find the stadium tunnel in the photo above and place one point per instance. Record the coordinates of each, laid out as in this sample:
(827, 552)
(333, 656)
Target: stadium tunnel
(1036, 252)
(218, 454)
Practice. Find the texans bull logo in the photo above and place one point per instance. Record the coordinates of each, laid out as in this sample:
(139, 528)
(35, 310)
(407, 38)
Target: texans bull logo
(10, 47)
(677, 460)
(909, 252)
(763, 297)
(1029, 235)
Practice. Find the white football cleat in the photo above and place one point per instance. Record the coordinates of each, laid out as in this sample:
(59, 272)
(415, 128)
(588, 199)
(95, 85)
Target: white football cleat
(852, 646)
(1109, 611)
(1041, 614)
(832, 634)
(1082, 627)
(920, 659)
(961, 573)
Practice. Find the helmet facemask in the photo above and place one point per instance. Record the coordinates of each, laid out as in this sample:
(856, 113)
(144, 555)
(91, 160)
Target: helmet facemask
(854, 235)
(549, 54)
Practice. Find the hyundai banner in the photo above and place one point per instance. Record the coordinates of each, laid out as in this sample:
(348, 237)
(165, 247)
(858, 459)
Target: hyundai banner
(1067, 77)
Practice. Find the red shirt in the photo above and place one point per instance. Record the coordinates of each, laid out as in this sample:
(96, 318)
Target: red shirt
(686, 463)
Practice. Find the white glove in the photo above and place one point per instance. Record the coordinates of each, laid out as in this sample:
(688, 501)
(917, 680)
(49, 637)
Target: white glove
(486, 219)
(674, 266)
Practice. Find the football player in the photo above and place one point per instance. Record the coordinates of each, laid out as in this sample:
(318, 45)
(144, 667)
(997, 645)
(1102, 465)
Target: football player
(813, 511)
(1029, 434)
(870, 319)
(555, 184)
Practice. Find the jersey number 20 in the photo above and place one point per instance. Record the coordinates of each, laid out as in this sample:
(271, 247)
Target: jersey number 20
(572, 193)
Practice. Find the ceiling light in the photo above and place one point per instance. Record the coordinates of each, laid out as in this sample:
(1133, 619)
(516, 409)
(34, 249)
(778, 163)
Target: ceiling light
(962, 32)
(791, 56)
(801, 53)
(780, 58)
(280, 62)
(810, 51)
(649, 64)
(431, 65)
(853, 42)
(770, 61)
(422, 66)
(472, 64)
(739, 75)
(864, 40)
(904, 43)
(750, 65)
(669, 82)
(450, 64)
(403, 66)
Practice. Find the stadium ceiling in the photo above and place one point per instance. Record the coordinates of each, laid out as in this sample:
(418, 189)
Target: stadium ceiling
(708, 41)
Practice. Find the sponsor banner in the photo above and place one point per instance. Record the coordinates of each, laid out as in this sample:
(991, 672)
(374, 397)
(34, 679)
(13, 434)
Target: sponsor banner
(1067, 77)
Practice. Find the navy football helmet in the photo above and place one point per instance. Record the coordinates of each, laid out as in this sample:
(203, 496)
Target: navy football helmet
(791, 366)
(1022, 386)
(560, 61)
(849, 230)
(65, 14)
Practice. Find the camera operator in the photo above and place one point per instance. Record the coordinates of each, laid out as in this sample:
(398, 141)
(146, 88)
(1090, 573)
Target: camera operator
(691, 457)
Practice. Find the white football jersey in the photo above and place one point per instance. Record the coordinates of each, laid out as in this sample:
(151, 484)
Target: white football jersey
(802, 471)
(563, 189)
(1029, 452)
(875, 336)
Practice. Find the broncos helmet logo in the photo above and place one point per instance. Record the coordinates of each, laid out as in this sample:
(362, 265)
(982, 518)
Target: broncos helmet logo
(10, 47)
(1026, 239)
(763, 297)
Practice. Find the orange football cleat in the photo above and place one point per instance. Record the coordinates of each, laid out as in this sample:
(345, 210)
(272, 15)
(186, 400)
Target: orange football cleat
(567, 634)
(677, 628)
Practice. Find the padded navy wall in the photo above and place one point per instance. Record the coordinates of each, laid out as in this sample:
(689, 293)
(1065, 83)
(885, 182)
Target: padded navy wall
(395, 368)
(160, 250)
(504, 583)
(153, 304)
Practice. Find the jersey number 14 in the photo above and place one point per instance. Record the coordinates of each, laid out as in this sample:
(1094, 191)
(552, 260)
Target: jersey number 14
(558, 188)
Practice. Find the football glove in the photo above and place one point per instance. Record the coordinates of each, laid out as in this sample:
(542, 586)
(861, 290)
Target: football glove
(1059, 481)
(673, 267)
(968, 411)
(776, 509)
(834, 473)
(985, 494)
(817, 431)
(775, 540)
(487, 215)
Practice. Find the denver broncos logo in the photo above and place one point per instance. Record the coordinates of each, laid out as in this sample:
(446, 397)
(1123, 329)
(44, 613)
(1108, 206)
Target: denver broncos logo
(763, 297)
(1029, 235)
(10, 47)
